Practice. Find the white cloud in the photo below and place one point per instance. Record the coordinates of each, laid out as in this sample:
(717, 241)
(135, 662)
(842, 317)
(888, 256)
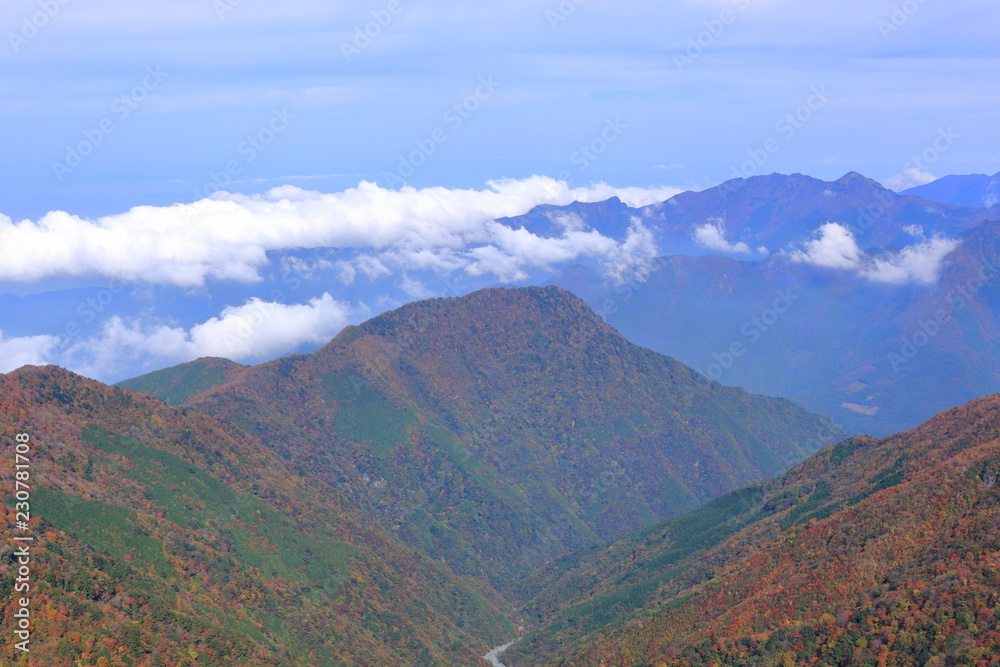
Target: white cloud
(568, 221)
(346, 273)
(634, 197)
(508, 253)
(835, 248)
(260, 328)
(229, 236)
(414, 288)
(633, 259)
(917, 263)
(712, 235)
(304, 268)
(256, 330)
(26, 350)
(990, 199)
(910, 177)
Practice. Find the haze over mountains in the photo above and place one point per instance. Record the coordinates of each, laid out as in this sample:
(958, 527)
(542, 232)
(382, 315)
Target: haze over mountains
(687, 277)
(969, 190)
(883, 317)
(400, 334)
(444, 472)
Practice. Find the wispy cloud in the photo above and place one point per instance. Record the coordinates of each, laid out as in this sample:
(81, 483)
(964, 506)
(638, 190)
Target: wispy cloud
(27, 350)
(910, 177)
(918, 263)
(836, 248)
(712, 235)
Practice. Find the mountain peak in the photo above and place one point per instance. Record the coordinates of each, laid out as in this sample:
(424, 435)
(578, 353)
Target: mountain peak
(856, 179)
(511, 305)
(525, 395)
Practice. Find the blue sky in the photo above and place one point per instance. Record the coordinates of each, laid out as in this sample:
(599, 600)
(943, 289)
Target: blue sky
(896, 73)
(243, 178)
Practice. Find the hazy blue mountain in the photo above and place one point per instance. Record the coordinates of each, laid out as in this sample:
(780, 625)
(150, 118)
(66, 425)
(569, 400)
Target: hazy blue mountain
(875, 357)
(767, 214)
(744, 219)
(967, 190)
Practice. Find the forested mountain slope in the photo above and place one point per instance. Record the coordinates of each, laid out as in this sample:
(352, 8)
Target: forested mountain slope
(872, 551)
(503, 428)
(163, 537)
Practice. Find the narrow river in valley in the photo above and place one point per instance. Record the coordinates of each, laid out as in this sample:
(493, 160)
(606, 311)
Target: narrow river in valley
(493, 657)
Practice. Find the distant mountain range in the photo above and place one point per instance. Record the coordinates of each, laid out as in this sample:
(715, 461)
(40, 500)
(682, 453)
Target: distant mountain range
(870, 552)
(971, 190)
(585, 458)
(506, 417)
(757, 216)
(829, 291)
(880, 322)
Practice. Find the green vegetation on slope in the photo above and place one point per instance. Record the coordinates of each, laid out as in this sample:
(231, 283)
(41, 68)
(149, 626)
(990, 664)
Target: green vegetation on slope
(177, 384)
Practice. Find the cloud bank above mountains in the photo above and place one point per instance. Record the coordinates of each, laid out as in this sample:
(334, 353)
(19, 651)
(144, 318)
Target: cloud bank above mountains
(254, 331)
(398, 235)
(228, 237)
